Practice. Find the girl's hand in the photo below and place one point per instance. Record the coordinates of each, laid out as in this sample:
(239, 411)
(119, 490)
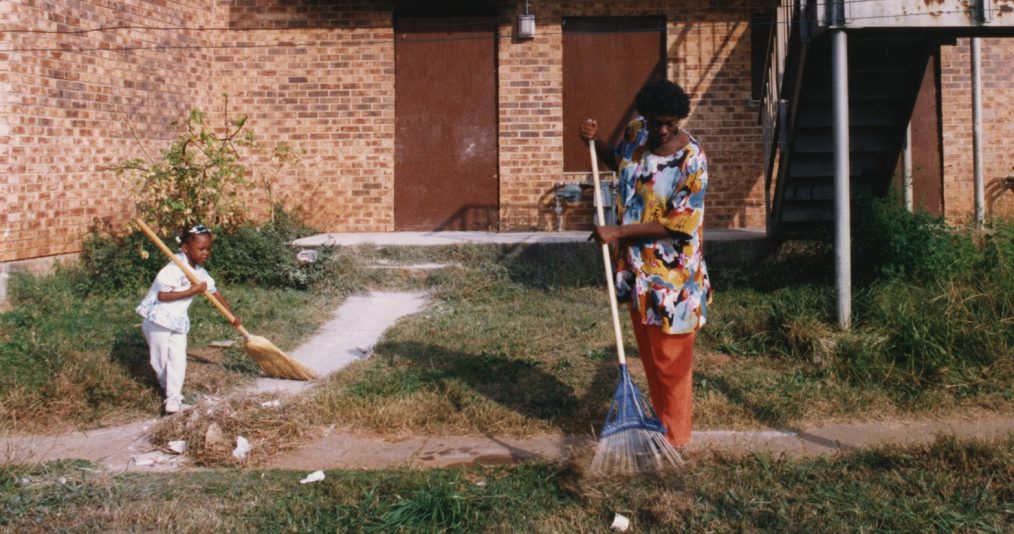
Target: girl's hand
(589, 129)
(199, 288)
(236, 322)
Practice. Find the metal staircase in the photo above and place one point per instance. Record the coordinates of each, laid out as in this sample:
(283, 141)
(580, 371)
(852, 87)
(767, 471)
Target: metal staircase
(887, 57)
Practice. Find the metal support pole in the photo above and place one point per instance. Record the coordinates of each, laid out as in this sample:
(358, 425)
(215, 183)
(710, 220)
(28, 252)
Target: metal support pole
(906, 166)
(980, 191)
(842, 234)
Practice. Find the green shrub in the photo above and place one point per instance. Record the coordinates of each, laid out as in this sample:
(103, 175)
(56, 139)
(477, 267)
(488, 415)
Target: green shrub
(891, 243)
(940, 298)
(257, 255)
(933, 305)
(117, 263)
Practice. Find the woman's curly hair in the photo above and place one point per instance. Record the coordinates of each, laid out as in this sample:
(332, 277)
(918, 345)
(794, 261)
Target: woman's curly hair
(660, 97)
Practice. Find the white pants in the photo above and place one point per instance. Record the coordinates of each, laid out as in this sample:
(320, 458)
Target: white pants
(168, 351)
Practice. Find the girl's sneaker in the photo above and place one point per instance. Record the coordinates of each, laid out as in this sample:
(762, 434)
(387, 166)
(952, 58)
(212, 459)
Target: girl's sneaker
(172, 406)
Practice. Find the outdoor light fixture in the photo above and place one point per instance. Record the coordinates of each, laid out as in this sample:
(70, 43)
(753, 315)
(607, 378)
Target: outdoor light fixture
(526, 24)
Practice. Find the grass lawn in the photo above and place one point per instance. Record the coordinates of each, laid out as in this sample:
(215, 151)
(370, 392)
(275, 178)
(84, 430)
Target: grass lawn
(517, 343)
(948, 486)
(79, 360)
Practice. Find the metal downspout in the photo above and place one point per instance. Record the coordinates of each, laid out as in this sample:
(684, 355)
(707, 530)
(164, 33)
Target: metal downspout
(980, 192)
(907, 169)
(842, 234)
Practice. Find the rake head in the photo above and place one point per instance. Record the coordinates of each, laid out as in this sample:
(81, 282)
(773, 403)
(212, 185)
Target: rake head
(633, 439)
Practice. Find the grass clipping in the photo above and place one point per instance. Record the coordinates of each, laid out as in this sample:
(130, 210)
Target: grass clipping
(212, 427)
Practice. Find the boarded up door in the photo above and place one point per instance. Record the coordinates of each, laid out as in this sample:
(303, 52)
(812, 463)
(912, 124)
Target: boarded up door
(606, 60)
(445, 171)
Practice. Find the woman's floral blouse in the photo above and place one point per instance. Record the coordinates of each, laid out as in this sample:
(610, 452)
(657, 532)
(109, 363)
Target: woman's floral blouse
(666, 280)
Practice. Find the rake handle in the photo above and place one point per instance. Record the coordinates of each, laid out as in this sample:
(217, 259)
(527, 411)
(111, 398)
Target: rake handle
(621, 354)
(190, 274)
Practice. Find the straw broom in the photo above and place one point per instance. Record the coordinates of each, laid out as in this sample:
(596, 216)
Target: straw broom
(268, 357)
(633, 439)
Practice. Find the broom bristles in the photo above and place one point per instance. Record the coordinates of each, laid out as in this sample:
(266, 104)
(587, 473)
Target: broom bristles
(274, 362)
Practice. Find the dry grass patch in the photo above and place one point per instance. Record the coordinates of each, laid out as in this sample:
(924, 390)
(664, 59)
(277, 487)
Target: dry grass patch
(211, 429)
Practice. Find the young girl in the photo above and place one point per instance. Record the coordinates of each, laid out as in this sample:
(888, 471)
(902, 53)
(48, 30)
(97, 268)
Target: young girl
(164, 310)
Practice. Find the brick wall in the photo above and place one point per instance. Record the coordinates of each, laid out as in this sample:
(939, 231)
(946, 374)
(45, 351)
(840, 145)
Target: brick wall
(319, 77)
(708, 55)
(69, 103)
(997, 125)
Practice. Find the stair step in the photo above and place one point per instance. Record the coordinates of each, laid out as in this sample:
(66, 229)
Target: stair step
(871, 114)
(868, 86)
(812, 212)
(815, 165)
(821, 140)
(806, 230)
(821, 189)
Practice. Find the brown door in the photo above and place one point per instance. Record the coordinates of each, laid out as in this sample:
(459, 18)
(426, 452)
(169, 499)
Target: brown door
(445, 170)
(606, 60)
(927, 167)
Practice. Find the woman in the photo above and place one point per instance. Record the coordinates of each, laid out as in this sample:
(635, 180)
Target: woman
(660, 271)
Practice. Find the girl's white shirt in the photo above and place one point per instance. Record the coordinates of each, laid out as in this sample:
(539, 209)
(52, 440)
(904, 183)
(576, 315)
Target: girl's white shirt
(172, 315)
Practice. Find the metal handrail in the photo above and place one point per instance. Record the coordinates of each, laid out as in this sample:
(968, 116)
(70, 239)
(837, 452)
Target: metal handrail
(775, 106)
(778, 49)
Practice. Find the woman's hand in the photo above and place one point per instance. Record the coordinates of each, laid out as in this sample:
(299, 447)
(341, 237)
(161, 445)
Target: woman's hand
(589, 129)
(607, 235)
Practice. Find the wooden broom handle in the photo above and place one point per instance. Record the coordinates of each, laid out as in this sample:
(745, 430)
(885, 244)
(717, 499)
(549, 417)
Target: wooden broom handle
(191, 275)
(613, 305)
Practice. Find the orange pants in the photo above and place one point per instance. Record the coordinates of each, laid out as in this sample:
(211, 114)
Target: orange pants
(668, 363)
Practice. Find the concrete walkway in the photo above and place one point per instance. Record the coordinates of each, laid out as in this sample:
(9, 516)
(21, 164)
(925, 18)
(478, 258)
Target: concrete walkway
(342, 450)
(354, 328)
(503, 238)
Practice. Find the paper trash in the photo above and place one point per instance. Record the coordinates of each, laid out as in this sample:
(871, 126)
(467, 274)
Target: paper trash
(315, 476)
(242, 448)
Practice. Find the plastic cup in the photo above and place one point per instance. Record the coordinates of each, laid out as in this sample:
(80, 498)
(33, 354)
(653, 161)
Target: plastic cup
(620, 523)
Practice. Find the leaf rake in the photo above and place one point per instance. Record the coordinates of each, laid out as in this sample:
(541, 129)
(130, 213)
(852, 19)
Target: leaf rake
(633, 439)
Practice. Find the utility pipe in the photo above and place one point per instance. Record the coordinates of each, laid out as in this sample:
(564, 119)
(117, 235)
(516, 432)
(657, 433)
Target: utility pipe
(842, 234)
(906, 166)
(980, 191)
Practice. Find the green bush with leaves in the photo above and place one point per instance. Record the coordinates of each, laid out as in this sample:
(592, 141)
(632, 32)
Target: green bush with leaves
(891, 243)
(247, 253)
(200, 176)
(933, 305)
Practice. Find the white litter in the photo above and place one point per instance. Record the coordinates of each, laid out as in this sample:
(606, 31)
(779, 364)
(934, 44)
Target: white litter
(222, 344)
(148, 459)
(178, 446)
(315, 476)
(307, 256)
(242, 448)
(62, 480)
(271, 404)
(620, 523)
